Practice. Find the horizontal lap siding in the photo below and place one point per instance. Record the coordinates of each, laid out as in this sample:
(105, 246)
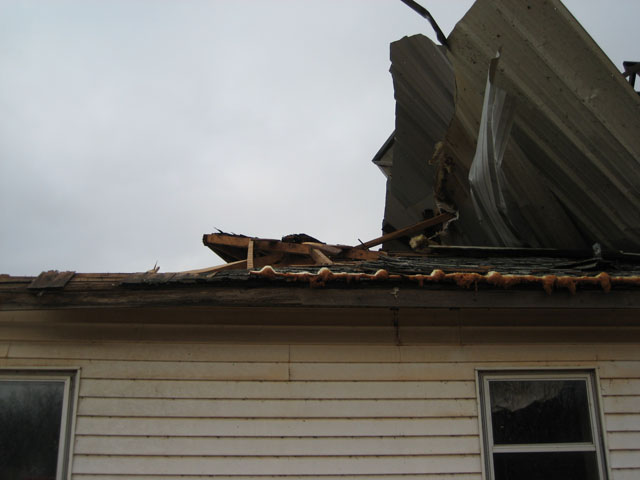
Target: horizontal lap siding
(620, 389)
(161, 410)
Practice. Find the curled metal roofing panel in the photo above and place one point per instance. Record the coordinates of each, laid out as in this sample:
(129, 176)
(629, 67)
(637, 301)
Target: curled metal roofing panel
(572, 161)
(424, 87)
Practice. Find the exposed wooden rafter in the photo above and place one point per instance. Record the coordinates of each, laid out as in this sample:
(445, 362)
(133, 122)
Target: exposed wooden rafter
(243, 252)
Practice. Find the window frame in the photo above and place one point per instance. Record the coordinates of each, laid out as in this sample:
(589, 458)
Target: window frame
(488, 448)
(70, 377)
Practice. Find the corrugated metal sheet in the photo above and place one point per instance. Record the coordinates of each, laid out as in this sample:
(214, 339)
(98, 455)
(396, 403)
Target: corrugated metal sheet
(572, 161)
(424, 86)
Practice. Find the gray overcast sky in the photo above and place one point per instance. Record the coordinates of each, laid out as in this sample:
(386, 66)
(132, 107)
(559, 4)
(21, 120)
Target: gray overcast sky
(130, 128)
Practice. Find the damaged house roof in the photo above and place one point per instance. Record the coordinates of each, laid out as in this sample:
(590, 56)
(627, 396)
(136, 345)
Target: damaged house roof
(522, 127)
(519, 138)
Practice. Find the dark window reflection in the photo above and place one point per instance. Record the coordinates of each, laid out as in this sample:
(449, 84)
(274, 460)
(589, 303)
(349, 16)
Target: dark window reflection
(540, 411)
(546, 466)
(30, 419)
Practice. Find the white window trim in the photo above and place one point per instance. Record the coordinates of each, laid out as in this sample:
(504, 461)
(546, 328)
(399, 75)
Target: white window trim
(71, 379)
(484, 375)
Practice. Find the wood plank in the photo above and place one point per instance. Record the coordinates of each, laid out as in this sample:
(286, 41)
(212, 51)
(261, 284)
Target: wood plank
(282, 408)
(359, 254)
(278, 246)
(319, 257)
(238, 264)
(51, 279)
(265, 390)
(410, 230)
(323, 247)
(264, 446)
(313, 427)
(412, 296)
(260, 244)
(276, 465)
(250, 255)
(217, 239)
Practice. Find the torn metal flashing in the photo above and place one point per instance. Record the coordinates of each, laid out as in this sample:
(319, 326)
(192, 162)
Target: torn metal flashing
(571, 164)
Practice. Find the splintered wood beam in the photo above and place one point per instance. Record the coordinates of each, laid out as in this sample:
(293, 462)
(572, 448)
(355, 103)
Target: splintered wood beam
(240, 264)
(410, 230)
(360, 254)
(323, 247)
(223, 242)
(222, 239)
(320, 258)
(214, 240)
(258, 262)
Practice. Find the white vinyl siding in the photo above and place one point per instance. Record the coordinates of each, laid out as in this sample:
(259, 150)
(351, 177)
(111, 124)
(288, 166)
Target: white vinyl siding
(193, 409)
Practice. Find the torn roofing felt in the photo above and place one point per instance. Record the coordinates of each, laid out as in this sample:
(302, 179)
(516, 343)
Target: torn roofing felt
(544, 152)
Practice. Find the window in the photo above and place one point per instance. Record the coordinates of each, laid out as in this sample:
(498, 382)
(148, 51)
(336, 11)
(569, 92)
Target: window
(541, 426)
(35, 423)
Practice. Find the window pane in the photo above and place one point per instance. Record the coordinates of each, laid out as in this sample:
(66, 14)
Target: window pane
(30, 418)
(540, 411)
(546, 466)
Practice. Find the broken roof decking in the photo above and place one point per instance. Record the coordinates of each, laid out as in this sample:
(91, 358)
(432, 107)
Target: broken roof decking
(475, 279)
(572, 159)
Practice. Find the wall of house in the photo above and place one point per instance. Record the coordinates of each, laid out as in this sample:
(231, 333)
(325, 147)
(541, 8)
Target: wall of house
(255, 395)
